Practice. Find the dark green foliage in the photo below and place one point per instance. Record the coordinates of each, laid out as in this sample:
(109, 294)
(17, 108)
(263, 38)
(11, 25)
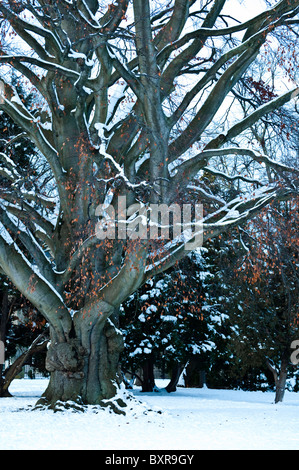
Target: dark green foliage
(168, 319)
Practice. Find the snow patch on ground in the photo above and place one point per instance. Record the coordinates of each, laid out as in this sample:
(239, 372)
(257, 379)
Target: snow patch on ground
(192, 419)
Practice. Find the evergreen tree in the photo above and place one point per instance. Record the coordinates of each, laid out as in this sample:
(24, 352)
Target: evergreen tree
(260, 295)
(168, 323)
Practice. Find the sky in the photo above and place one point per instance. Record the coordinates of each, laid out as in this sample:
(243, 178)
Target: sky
(244, 9)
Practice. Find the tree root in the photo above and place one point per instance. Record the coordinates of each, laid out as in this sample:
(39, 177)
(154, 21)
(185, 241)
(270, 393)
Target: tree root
(124, 403)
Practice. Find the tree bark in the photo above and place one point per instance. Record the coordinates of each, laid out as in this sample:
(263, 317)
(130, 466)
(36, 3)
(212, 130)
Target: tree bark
(84, 375)
(195, 375)
(280, 384)
(280, 377)
(4, 393)
(175, 375)
(148, 382)
(3, 322)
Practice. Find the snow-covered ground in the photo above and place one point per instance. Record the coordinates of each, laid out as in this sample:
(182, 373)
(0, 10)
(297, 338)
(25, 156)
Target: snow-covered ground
(192, 419)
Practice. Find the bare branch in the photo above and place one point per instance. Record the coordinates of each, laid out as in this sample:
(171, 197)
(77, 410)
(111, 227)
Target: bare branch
(34, 288)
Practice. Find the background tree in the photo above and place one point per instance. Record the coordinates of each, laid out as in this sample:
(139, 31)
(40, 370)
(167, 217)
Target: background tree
(165, 324)
(127, 104)
(266, 317)
(23, 332)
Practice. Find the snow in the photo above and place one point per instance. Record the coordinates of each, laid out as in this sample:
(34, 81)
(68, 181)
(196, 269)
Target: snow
(79, 55)
(191, 419)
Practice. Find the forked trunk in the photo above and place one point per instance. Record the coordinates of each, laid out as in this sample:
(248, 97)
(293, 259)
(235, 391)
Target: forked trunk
(280, 376)
(81, 373)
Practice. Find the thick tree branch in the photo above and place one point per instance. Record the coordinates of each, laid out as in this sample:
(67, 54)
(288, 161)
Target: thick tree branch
(235, 213)
(13, 106)
(187, 170)
(35, 289)
(259, 113)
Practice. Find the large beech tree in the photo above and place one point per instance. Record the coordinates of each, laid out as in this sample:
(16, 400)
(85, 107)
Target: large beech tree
(128, 97)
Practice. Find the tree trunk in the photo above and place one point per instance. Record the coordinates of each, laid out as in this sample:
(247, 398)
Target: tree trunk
(195, 375)
(175, 375)
(148, 382)
(4, 393)
(280, 377)
(280, 388)
(83, 356)
(85, 376)
(280, 383)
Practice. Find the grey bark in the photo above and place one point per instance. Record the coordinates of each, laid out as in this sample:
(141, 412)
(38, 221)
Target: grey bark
(84, 376)
(280, 376)
(176, 372)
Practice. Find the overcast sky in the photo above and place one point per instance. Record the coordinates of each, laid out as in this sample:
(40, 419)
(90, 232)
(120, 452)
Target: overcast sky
(244, 9)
